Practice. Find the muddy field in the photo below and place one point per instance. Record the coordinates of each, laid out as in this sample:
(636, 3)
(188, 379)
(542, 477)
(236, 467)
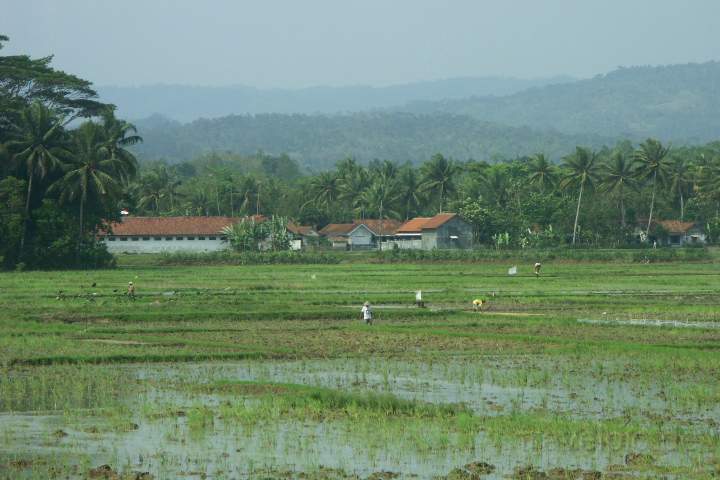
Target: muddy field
(591, 371)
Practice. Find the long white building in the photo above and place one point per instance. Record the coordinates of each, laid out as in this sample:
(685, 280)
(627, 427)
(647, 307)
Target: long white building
(167, 234)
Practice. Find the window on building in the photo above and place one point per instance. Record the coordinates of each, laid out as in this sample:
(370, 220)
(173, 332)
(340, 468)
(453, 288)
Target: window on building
(146, 238)
(134, 239)
(178, 238)
(223, 238)
(111, 239)
(189, 238)
(674, 238)
(168, 238)
(157, 238)
(212, 238)
(201, 238)
(123, 239)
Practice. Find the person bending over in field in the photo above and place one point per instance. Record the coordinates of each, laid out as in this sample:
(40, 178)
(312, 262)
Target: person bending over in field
(367, 313)
(478, 304)
(131, 291)
(537, 268)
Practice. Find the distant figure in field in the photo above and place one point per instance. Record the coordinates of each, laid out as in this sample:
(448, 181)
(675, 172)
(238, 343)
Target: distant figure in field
(478, 304)
(419, 300)
(367, 313)
(537, 268)
(654, 243)
(131, 291)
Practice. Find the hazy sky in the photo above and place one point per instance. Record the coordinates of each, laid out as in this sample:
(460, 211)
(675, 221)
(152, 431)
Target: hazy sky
(297, 43)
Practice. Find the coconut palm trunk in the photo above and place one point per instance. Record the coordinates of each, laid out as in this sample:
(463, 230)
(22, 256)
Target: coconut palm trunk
(26, 220)
(652, 203)
(577, 211)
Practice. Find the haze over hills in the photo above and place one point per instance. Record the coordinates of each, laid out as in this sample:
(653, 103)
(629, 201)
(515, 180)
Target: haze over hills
(188, 103)
(677, 102)
(318, 141)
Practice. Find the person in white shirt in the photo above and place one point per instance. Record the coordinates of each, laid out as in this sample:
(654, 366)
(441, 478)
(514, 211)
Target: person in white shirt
(367, 313)
(537, 268)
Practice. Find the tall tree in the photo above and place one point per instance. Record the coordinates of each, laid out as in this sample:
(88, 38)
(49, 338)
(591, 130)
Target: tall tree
(39, 145)
(439, 176)
(410, 188)
(618, 176)
(582, 172)
(92, 174)
(541, 173)
(680, 180)
(120, 134)
(652, 167)
(325, 188)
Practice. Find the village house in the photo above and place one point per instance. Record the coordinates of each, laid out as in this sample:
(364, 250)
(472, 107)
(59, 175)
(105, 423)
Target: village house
(360, 235)
(680, 234)
(302, 236)
(181, 234)
(443, 231)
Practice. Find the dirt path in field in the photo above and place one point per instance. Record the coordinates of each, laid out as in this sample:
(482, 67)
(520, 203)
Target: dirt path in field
(113, 342)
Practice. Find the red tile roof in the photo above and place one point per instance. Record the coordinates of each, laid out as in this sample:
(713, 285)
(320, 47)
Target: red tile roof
(173, 225)
(300, 229)
(334, 229)
(676, 226)
(413, 226)
(384, 227)
(417, 225)
(438, 221)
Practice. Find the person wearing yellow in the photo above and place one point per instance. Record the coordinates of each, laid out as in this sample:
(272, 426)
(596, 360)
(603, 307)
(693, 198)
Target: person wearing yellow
(478, 304)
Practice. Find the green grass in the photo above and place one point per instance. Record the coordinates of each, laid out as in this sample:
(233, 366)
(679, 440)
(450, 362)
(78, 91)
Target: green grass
(531, 373)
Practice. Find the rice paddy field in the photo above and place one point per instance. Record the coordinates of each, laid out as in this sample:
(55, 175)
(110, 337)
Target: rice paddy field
(593, 370)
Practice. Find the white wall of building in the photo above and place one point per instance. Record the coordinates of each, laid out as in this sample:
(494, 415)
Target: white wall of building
(153, 245)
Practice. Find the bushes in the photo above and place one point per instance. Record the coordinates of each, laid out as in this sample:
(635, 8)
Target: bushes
(246, 258)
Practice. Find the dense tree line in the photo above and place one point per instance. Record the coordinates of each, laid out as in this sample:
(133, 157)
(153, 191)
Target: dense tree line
(591, 197)
(66, 170)
(58, 184)
(318, 141)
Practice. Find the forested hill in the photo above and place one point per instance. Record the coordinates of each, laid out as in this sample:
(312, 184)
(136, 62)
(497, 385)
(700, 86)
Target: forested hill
(318, 141)
(677, 102)
(188, 103)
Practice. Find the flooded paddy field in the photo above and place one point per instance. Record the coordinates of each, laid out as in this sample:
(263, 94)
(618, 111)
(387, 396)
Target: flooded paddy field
(268, 372)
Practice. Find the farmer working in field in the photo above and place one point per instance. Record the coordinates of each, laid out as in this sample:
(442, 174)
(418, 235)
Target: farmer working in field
(367, 313)
(478, 304)
(131, 291)
(536, 268)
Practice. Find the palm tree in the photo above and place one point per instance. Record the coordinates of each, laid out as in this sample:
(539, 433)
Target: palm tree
(118, 135)
(325, 188)
(150, 189)
(541, 172)
(618, 175)
(708, 183)
(380, 198)
(651, 157)
(680, 181)
(410, 189)
(92, 174)
(582, 171)
(496, 185)
(351, 188)
(39, 146)
(439, 176)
